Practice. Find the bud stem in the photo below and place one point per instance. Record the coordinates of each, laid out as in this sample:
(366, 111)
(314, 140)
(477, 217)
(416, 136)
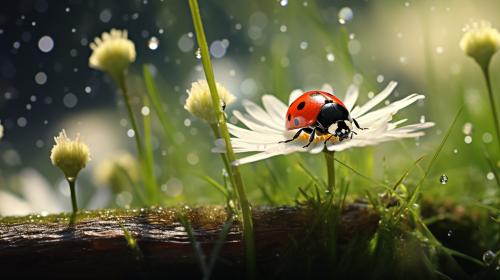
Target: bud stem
(330, 168)
(72, 182)
(486, 74)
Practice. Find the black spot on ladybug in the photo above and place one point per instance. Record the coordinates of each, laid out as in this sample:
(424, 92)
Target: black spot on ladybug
(296, 121)
(301, 105)
(289, 117)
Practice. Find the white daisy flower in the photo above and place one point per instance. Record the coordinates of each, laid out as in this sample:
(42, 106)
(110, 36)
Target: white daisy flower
(266, 126)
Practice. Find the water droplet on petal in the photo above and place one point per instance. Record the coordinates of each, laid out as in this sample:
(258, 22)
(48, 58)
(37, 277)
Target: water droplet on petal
(345, 15)
(443, 179)
(422, 119)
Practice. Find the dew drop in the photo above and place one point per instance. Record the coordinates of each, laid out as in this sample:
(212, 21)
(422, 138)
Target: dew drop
(468, 139)
(443, 179)
(488, 257)
(455, 151)
(487, 138)
(283, 3)
(153, 43)
(422, 119)
(197, 53)
(345, 15)
(380, 78)
(490, 176)
(450, 232)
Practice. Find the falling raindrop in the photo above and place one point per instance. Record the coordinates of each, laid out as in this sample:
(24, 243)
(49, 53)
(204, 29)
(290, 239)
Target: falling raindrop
(283, 28)
(145, 111)
(443, 179)
(283, 3)
(88, 89)
(468, 139)
(488, 257)
(490, 176)
(330, 57)
(450, 232)
(455, 151)
(303, 45)
(153, 43)
(70, 100)
(46, 44)
(487, 137)
(197, 53)
(41, 78)
(380, 78)
(130, 133)
(345, 15)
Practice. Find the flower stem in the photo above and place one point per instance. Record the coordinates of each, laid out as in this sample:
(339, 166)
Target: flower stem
(248, 234)
(71, 182)
(123, 86)
(330, 168)
(486, 74)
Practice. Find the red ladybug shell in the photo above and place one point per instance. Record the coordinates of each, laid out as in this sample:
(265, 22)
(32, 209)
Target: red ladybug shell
(305, 109)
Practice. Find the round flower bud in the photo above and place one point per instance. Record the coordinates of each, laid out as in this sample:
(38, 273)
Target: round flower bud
(70, 156)
(112, 53)
(199, 101)
(480, 41)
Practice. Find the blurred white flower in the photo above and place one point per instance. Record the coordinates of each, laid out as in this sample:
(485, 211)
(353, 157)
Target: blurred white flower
(266, 127)
(116, 171)
(113, 52)
(199, 102)
(480, 41)
(37, 196)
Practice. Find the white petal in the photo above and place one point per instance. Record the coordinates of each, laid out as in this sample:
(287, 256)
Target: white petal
(38, 193)
(261, 116)
(253, 158)
(375, 100)
(251, 123)
(275, 108)
(351, 97)
(294, 95)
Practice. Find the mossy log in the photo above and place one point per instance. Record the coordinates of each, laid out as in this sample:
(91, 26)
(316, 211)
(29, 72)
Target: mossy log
(95, 246)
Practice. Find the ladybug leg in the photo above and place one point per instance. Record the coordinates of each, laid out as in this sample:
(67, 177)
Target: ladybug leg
(357, 125)
(311, 138)
(328, 139)
(295, 136)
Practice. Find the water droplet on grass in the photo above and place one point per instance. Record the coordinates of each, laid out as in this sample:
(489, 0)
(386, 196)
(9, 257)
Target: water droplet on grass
(197, 54)
(467, 129)
(443, 179)
(468, 139)
(489, 257)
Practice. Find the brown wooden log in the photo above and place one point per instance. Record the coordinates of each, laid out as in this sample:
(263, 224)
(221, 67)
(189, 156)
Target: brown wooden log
(95, 247)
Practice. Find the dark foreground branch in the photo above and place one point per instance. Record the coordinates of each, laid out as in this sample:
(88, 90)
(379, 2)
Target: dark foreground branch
(96, 247)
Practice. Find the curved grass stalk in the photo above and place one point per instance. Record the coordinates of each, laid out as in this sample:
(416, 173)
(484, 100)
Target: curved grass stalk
(248, 234)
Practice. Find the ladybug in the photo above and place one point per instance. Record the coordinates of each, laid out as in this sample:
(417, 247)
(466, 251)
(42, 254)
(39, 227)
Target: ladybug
(322, 113)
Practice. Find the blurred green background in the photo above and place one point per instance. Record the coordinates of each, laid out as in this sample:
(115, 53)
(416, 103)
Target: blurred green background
(257, 47)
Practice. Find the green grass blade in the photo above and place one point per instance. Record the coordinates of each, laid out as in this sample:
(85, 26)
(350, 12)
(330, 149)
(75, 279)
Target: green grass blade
(200, 255)
(216, 185)
(413, 195)
(149, 158)
(218, 246)
(154, 97)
